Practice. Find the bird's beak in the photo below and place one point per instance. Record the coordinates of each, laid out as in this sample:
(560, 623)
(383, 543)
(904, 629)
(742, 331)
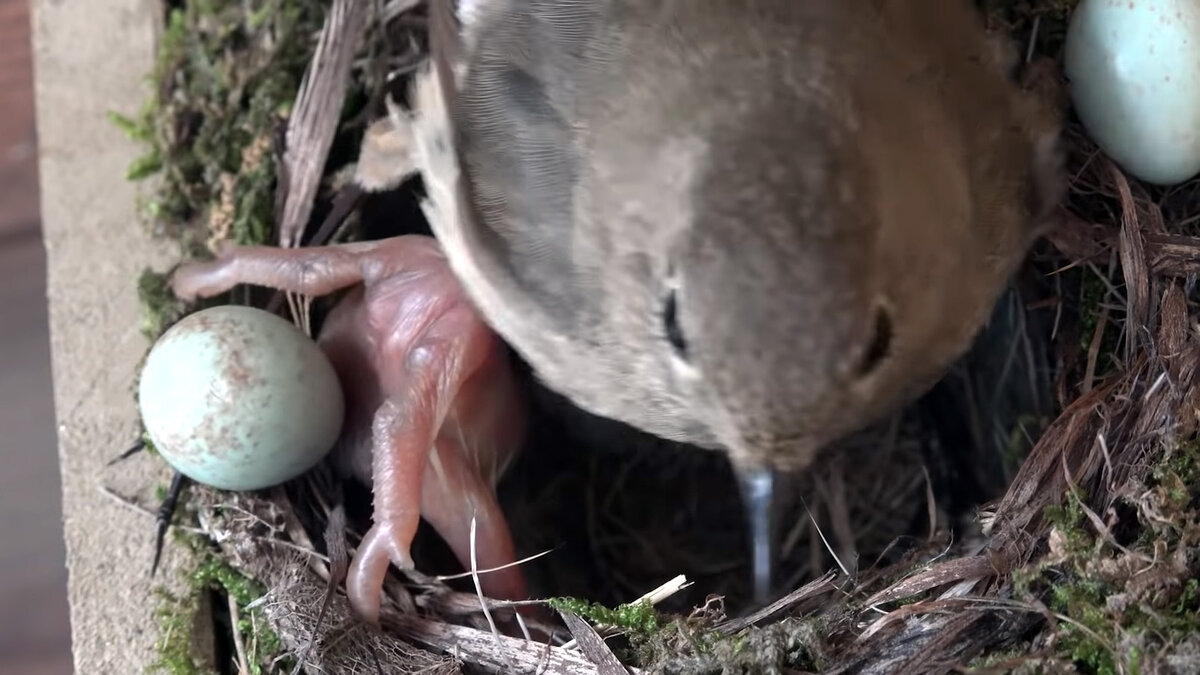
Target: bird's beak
(757, 485)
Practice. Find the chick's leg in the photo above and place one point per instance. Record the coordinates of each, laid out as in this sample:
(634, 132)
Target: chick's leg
(309, 271)
(455, 493)
(422, 387)
(401, 437)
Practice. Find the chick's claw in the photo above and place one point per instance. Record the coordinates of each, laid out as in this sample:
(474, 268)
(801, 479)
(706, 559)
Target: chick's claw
(434, 414)
(364, 581)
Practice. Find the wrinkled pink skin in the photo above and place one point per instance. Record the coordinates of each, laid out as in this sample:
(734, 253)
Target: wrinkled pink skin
(433, 412)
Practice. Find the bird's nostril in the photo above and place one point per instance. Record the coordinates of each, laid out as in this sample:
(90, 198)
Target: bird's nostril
(880, 344)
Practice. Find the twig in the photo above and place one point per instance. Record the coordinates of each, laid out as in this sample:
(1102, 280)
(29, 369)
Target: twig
(592, 645)
(339, 564)
(314, 120)
(930, 503)
(1093, 352)
(522, 561)
(825, 541)
(164, 516)
(487, 651)
(129, 503)
(483, 605)
(239, 643)
(806, 591)
(129, 452)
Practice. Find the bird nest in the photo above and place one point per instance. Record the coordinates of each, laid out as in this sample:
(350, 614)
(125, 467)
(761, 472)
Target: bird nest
(1037, 511)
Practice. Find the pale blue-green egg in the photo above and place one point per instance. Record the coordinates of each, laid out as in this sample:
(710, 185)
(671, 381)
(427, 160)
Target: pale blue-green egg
(239, 399)
(1134, 68)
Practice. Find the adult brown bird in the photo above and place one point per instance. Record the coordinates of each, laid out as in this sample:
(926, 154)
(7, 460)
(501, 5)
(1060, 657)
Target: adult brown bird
(751, 225)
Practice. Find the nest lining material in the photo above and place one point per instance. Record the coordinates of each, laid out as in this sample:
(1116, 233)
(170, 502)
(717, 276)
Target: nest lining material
(1106, 496)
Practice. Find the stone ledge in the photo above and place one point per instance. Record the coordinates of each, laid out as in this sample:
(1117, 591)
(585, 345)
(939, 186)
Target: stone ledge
(91, 58)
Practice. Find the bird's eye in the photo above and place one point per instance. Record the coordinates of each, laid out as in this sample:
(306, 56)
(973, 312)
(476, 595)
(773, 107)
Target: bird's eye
(671, 324)
(880, 344)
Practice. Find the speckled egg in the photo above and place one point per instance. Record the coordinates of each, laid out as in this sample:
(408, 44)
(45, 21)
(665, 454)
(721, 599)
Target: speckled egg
(239, 399)
(1134, 68)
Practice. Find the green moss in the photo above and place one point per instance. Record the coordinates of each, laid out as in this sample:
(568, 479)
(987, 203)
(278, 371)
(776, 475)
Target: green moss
(135, 130)
(1180, 470)
(1071, 522)
(782, 646)
(1083, 602)
(262, 644)
(638, 618)
(1122, 608)
(218, 574)
(1021, 439)
(1093, 291)
(159, 306)
(692, 646)
(253, 203)
(177, 615)
(225, 76)
(148, 445)
(1077, 596)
